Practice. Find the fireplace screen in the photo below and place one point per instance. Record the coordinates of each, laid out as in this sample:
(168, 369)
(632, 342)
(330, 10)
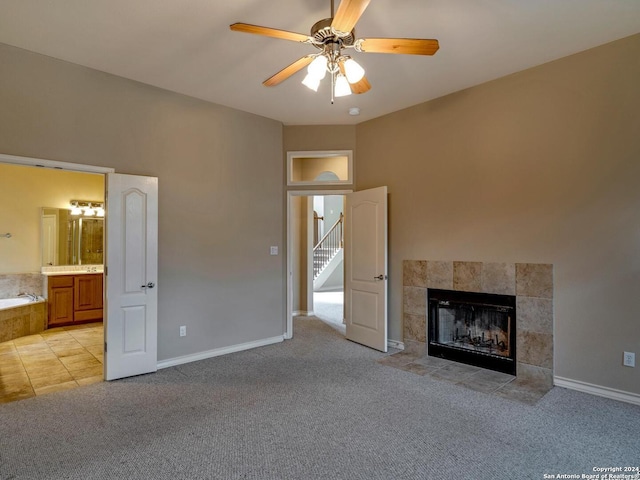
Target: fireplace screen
(473, 328)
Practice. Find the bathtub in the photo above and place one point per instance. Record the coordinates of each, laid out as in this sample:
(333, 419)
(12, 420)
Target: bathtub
(21, 316)
(14, 302)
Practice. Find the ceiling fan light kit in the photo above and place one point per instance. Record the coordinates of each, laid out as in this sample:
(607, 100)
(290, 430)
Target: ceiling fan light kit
(332, 36)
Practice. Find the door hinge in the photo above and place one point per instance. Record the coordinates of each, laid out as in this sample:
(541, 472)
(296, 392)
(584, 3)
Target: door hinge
(105, 347)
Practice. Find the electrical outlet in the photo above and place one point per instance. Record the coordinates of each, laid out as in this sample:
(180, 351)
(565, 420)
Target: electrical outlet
(629, 359)
(183, 331)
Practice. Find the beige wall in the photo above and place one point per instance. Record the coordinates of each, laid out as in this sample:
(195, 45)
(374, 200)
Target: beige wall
(220, 188)
(23, 193)
(319, 137)
(542, 167)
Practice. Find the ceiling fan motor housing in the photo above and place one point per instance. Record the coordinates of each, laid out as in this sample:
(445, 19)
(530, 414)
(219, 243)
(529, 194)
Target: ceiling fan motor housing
(322, 34)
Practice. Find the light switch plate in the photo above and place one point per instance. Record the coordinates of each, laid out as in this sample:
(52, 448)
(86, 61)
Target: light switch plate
(273, 250)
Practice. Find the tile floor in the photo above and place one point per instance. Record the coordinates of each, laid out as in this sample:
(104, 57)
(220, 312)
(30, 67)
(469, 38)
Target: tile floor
(415, 359)
(56, 359)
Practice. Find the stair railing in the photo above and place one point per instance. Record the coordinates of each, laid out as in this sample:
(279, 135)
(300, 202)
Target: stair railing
(328, 246)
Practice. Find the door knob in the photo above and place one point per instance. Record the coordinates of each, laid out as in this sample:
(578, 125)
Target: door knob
(148, 285)
(380, 277)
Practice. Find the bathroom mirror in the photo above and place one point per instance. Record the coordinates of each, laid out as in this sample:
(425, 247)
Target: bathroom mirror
(71, 239)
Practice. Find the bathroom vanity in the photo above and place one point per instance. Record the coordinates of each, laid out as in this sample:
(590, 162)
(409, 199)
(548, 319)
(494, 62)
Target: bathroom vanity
(75, 298)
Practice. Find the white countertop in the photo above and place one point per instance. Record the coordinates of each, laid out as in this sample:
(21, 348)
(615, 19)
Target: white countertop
(72, 269)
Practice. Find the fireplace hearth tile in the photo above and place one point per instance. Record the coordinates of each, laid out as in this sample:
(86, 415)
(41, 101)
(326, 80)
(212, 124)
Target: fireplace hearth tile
(432, 362)
(467, 276)
(534, 280)
(486, 381)
(414, 273)
(440, 275)
(455, 372)
(498, 278)
(415, 368)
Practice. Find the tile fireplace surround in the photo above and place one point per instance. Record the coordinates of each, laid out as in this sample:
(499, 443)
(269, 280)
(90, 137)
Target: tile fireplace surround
(531, 283)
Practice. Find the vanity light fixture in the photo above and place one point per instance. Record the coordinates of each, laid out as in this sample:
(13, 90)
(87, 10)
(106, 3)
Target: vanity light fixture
(87, 208)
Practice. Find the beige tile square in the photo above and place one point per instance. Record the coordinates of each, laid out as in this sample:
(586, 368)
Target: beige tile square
(415, 327)
(10, 368)
(95, 350)
(534, 280)
(498, 278)
(90, 380)
(64, 351)
(535, 314)
(440, 275)
(56, 388)
(26, 392)
(414, 300)
(414, 273)
(93, 371)
(14, 385)
(535, 348)
(7, 347)
(51, 379)
(467, 276)
(28, 340)
(79, 362)
(44, 370)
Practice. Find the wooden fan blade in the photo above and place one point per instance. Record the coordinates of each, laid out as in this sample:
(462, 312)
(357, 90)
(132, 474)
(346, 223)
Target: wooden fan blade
(408, 46)
(286, 72)
(269, 32)
(361, 86)
(348, 14)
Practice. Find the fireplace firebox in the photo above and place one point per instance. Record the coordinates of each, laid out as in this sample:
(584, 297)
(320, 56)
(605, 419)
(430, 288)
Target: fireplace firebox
(473, 328)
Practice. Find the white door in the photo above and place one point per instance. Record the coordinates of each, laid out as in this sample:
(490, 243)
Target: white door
(50, 240)
(365, 239)
(132, 272)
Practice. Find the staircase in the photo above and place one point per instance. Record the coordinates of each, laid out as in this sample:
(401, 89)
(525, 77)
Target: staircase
(327, 248)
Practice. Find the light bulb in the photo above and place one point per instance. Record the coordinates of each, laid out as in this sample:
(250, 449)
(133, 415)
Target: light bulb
(75, 209)
(318, 68)
(89, 212)
(353, 71)
(342, 87)
(311, 82)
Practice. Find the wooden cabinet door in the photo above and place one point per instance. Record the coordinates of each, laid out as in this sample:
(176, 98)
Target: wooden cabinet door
(87, 297)
(60, 300)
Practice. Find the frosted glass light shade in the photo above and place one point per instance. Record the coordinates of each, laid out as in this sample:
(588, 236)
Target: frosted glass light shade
(318, 67)
(353, 71)
(311, 82)
(342, 88)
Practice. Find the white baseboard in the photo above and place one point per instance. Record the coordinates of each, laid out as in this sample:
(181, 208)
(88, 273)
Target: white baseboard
(302, 313)
(598, 390)
(395, 344)
(216, 352)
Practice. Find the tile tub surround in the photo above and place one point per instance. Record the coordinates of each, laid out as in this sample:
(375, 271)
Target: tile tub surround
(13, 284)
(531, 283)
(22, 320)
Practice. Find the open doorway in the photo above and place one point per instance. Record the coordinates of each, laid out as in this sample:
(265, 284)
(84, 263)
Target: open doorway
(315, 259)
(328, 260)
(53, 262)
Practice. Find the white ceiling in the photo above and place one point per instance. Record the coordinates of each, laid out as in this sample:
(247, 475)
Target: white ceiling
(186, 46)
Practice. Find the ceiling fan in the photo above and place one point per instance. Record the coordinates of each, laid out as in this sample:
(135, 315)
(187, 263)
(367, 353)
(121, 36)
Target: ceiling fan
(331, 36)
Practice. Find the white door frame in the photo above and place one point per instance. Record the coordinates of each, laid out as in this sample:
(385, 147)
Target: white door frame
(288, 334)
